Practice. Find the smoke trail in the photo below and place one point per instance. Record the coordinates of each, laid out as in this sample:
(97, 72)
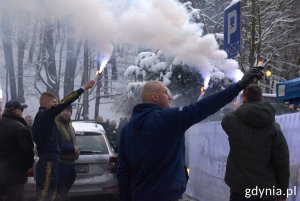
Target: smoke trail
(157, 24)
(165, 25)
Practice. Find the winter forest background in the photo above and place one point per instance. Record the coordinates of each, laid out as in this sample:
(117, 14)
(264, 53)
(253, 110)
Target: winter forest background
(57, 45)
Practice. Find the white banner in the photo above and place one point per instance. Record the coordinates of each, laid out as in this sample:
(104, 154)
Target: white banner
(207, 149)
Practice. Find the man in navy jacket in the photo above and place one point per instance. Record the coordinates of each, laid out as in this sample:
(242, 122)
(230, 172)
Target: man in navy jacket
(152, 150)
(46, 137)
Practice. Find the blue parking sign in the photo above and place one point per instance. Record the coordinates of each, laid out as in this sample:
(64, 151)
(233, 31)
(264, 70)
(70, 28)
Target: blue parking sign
(232, 29)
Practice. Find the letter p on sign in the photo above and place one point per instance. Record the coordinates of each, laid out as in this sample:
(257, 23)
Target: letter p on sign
(232, 24)
(232, 29)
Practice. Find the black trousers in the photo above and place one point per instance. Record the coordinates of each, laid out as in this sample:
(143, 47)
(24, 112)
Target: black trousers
(11, 190)
(46, 179)
(11, 183)
(67, 175)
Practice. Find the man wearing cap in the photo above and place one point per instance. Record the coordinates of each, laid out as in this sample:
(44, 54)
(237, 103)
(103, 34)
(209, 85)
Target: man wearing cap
(16, 151)
(46, 137)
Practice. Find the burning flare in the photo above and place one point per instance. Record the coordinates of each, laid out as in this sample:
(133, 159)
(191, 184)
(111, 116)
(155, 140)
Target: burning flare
(98, 73)
(103, 64)
(202, 90)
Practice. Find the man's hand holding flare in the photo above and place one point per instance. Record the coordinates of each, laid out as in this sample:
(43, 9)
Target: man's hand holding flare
(88, 84)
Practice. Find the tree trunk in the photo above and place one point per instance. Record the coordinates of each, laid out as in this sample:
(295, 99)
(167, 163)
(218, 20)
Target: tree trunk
(259, 28)
(32, 44)
(98, 90)
(23, 20)
(253, 24)
(60, 58)
(85, 79)
(50, 65)
(105, 77)
(8, 53)
(113, 63)
(114, 71)
(71, 61)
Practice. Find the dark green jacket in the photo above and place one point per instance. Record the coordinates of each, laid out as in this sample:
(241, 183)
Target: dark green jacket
(259, 154)
(68, 140)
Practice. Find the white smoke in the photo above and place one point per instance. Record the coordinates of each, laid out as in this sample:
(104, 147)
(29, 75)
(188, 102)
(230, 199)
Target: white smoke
(157, 24)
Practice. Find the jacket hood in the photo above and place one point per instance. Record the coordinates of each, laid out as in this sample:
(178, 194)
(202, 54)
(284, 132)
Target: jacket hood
(140, 112)
(256, 114)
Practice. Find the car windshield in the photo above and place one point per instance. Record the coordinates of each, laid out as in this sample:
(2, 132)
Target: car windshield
(91, 143)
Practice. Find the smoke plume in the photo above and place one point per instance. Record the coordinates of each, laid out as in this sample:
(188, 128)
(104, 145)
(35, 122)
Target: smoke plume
(157, 24)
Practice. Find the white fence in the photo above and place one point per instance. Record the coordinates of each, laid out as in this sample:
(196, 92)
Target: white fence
(207, 149)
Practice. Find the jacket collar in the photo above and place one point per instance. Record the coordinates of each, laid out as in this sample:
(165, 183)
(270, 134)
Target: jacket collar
(12, 116)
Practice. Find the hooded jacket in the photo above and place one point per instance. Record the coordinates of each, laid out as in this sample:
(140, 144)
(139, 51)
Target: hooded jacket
(152, 149)
(259, 156)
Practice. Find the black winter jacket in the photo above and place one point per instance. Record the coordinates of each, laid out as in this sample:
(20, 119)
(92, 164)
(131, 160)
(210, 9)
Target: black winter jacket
(44, 129)
(259, 155)
(16, 146)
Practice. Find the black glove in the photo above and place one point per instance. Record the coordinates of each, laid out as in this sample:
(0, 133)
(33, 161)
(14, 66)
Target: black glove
(255, 72)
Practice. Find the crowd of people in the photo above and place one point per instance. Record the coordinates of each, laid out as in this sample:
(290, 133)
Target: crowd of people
(150, 145)
(51, 135)
(112, 130)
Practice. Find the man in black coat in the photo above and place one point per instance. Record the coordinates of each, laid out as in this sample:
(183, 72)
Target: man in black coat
(16, 152)
(259, 156)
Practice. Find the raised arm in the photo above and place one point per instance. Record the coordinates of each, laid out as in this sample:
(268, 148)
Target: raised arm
(195, 112)
(70, 98)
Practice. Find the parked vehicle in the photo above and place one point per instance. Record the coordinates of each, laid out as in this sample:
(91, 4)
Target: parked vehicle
(96, 166)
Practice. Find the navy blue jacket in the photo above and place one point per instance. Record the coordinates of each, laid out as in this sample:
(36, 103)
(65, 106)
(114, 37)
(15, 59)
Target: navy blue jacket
(152, 150)
(44, 129)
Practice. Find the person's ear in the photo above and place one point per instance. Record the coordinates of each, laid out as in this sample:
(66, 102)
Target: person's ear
(154, 97)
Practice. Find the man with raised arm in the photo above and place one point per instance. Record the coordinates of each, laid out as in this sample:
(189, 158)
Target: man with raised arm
(46, 137)
(152, 150)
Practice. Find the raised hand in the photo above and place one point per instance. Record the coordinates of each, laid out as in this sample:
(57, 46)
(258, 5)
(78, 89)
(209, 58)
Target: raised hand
(88, 84)
(248, 78)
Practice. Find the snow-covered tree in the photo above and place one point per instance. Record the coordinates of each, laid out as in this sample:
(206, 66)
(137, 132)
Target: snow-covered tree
(185, 84)
(130, 97)
(270, 30)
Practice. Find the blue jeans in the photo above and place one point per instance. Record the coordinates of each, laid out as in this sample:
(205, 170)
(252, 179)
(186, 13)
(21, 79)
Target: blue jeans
(67, 175)
(46, 179)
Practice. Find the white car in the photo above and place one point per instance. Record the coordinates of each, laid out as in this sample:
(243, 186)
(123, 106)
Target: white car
(96, 166)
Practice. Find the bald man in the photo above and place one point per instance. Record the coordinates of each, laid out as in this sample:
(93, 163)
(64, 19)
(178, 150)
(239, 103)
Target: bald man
(152, 150)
